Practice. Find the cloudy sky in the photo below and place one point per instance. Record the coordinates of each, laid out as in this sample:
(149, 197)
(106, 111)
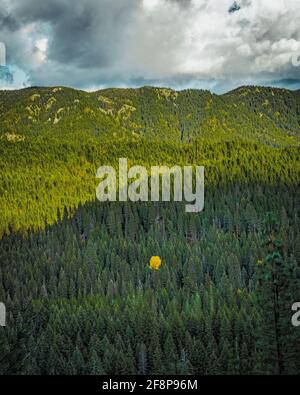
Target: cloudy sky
(90, 44)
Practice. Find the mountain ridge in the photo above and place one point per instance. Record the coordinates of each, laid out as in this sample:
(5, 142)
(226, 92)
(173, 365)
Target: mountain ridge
(52, 140)
(269, 115)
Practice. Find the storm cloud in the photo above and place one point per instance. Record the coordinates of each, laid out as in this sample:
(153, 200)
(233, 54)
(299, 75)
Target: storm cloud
(179, 43)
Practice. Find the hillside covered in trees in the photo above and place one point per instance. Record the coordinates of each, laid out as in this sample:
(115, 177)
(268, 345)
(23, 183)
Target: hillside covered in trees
(52, 140)
(74, 273)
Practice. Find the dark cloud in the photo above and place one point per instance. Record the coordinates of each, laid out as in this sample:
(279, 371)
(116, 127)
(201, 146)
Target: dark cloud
(234, 7)
(83, 33)
(7, 22)
(288, 83)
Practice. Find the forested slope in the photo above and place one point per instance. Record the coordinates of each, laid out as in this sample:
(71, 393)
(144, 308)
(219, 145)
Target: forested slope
(153, 112)
(52, 140)
(74, 273)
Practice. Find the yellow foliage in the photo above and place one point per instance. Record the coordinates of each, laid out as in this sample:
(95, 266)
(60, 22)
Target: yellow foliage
(13, 137)
(50, 103)
(155, 262)
(35, 96)
(165, 93)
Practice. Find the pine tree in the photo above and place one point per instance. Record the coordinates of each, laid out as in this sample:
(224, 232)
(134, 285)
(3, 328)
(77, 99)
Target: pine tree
(277, 286)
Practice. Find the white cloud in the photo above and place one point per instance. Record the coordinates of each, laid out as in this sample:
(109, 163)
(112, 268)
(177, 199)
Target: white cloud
(150, 5)
(42, 44)
(40, 54)
(99, 41)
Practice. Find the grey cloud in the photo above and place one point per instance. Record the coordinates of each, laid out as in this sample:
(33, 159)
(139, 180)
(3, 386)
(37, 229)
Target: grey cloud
(166, 42)
(7, 22)
(82, 33)
(5, 75)
(182, 3)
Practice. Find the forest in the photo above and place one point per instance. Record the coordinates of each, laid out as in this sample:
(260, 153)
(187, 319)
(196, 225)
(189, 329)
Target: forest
(81, 294)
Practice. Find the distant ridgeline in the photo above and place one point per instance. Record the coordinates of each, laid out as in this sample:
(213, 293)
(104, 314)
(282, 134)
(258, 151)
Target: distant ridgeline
(53, 139)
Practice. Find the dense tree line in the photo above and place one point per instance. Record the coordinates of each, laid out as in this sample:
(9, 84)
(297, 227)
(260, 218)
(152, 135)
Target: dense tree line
(38, 179)
(81, 297)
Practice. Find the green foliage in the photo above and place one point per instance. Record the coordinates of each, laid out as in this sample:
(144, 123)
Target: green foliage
(80, 294)
(278, 286)
(74, 272)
